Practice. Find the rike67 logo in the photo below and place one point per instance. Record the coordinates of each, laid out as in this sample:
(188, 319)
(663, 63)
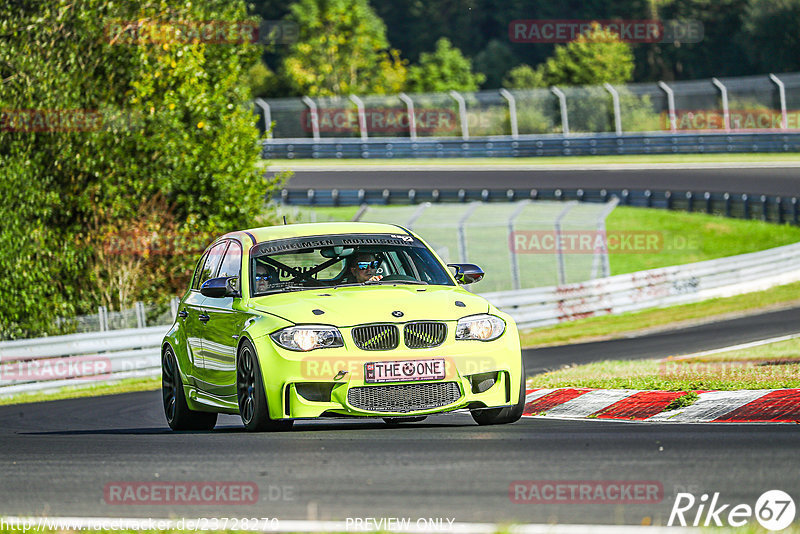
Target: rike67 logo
(774, 510)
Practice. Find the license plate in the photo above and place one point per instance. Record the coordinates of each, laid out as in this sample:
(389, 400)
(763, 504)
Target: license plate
(403, 371)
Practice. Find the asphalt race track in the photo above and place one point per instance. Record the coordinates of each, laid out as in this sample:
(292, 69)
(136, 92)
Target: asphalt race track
(769, 180)
(58, 457)
(667, 343)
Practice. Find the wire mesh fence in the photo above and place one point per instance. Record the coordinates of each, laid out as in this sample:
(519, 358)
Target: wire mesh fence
(750, 103)
(139, 316)
(518, 244)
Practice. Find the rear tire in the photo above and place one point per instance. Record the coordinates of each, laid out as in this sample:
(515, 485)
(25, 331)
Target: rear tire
(176, 410)
(251, 395)
(502, 416)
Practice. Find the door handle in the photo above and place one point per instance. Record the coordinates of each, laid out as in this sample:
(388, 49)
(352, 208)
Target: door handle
(183, 314)
(203, 317)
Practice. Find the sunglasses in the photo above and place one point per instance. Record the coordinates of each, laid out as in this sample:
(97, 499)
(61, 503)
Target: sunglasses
(262, 277)
(363, 265)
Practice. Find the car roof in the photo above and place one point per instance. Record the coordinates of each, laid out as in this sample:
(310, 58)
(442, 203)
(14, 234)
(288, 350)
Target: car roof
(271, 233)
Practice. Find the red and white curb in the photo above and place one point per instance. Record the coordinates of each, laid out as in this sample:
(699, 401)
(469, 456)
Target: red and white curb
(742, 406)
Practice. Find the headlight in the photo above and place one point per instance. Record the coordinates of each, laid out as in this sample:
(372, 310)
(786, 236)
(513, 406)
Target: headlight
(482, 327)
(305, 338)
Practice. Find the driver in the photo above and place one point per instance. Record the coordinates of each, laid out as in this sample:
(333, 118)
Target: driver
(263, 277)
(363, 267)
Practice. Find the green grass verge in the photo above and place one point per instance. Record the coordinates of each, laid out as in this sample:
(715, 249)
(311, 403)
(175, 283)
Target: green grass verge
(126, 385)
(772, 366)
(613, 326)
(549, 160)
(682, 237)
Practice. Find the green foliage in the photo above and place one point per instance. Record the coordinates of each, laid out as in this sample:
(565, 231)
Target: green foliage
(443, 70)
(523, 77)
(262, 81)
(774, 37)
(342, 49)
(173, 150)
(594, 58)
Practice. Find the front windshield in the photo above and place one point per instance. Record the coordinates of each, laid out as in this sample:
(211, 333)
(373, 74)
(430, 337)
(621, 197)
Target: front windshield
(337, 261)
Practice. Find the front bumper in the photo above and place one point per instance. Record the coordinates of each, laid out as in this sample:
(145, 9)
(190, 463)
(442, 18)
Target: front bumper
(330, 382)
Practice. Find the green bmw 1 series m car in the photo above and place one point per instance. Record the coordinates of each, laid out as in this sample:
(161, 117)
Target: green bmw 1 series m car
(311, 321)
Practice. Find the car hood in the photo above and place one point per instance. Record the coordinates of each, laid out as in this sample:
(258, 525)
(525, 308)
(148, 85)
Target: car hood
(348, 306)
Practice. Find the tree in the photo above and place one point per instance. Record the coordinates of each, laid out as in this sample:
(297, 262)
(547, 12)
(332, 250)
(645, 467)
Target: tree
(523, 77)
(342, 49)
(593, 58)
(443, 70)
(774, 40)
(165, 141)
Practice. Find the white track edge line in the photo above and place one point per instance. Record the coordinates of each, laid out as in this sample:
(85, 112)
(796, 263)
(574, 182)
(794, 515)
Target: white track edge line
(734, 347)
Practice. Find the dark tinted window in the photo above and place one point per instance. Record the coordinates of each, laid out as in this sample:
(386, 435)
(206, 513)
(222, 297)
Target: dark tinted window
(212, 262)
(196, 277)
(233, 260)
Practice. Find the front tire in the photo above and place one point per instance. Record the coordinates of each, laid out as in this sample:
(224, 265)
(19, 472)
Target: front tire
(176, 410)
(502, 416)
(251, 394)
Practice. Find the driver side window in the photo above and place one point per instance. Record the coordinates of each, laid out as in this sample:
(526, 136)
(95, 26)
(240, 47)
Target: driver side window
(212, 262)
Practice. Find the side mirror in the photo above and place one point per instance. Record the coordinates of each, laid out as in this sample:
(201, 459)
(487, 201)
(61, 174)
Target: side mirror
(225, 286)
(466, 273)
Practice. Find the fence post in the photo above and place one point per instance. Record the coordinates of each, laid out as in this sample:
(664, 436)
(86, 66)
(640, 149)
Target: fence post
(562, 271)
(615, 102)
(562, 100)
(462, 235)
(417, 214)
(312, 108)
(140, 318)
(512, 245)
(266, 113)
(603, 259)
(726, 115)
(782, 96)
(512, 111)
(673, 126)
(412, 120)
(102, 318)
(362, 116)
(462, 113)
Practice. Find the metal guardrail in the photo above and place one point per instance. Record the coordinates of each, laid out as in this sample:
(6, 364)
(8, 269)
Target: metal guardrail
(654, 288)
(530, 145)
(769, 208)
(44, 364)
(50, 363)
